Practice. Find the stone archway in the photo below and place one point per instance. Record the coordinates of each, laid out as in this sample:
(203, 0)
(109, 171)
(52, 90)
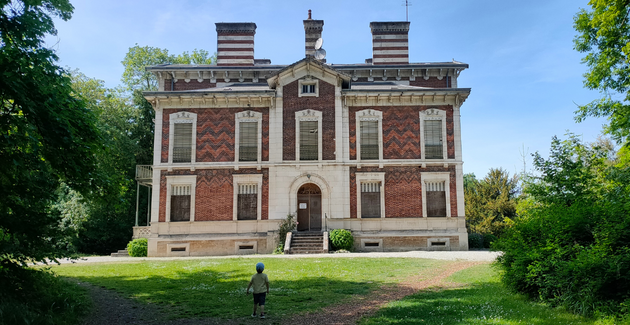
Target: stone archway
(309, 212)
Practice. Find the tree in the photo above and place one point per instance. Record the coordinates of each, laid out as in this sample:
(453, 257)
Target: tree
(604, 33)
(570, 245)
(47, 136)
(138, 58)
(490, 203)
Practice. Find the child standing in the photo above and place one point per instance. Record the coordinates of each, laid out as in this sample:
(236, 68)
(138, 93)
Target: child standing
(260, 284)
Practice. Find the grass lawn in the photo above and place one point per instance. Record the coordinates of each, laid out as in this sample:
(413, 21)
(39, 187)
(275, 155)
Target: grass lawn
(481, 300)
(216, 287)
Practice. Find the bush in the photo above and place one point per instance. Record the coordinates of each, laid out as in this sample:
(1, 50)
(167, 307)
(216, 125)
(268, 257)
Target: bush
(286, 226)
(138, 247)
(39, 297)
(342, 239)
(488, 239)
(475, 241)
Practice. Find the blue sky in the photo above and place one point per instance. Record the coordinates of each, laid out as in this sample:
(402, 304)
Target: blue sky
(526, 79)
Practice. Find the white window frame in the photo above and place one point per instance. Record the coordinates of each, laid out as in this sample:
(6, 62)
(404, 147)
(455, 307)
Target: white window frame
(244, 179)
(181, 180)
(433, 114)
(436, 177)
(182, 117)
(305, 82)
(247, 116)
(370, 177)
(308, 115)
(369, 115)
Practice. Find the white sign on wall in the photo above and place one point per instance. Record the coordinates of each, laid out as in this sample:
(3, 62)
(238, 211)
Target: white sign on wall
(302, 206)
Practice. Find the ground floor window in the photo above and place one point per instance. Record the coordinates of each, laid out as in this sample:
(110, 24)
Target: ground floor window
(371, 200)
(436, 199)
(247, 208)
(180, 203)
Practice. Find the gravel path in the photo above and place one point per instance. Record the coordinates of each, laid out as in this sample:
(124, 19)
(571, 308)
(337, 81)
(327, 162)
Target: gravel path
(112, 308)
(477, 256)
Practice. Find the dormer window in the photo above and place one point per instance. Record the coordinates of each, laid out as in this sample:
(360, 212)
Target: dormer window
(308, 87)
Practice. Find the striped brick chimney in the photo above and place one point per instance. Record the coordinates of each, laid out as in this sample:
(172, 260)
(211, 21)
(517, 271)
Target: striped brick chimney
(390, 42)
(313, 30)
(235, 44)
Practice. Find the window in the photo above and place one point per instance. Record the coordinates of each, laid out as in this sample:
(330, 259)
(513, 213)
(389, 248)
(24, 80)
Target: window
(180, 194)
(433, 139)
(436, 194)
(182, 143)
(433, 134)
(436, 199)
(369, 134)
(248, 137)
(180, 203)
(308, 135)
(247, 202)
(369, 140)
(247, 197)
(248, 142)
(371, 200)
(309, 149)
(370, 195)
(182, 137)
(308, 87)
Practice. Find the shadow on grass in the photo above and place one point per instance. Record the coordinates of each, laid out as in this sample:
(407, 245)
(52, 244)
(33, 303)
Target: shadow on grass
(480, 303)
(209, 293)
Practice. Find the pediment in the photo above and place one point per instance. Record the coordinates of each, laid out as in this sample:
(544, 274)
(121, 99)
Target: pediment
(308, 68)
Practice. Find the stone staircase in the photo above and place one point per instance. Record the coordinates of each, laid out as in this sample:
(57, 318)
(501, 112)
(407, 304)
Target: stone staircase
(121, 253)
(307, 243)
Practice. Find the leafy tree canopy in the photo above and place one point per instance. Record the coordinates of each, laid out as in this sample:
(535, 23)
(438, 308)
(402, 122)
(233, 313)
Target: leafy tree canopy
(47, 135)
(135, 77)
(604, 34)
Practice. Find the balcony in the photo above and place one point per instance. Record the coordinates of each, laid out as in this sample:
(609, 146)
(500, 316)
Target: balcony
(144, 174)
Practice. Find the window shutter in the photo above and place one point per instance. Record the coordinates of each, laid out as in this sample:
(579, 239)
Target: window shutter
(309, 140)
(436, 199)
(182, 142)
(180, 203)
(248, 141)
(433, 147)
(369, 140)
(247, 202)
(371, 200)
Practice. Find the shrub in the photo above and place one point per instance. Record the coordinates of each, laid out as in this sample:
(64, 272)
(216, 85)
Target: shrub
(286, 226)
(475, 241)
(138, 247)
(488, 239)
(342, 239)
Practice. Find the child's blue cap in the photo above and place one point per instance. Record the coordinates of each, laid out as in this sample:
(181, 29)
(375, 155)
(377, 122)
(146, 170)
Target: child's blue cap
(260, 267)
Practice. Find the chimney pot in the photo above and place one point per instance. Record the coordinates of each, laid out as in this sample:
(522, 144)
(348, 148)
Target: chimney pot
(309, 14)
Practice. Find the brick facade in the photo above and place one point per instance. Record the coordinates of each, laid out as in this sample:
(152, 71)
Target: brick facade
(325, 103)
(401, 131)
(215, 133)
(193, 84)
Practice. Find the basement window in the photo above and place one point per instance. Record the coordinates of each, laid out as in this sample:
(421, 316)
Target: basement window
(178, 249)
(438, 243)
(246, 247)
(376, 244)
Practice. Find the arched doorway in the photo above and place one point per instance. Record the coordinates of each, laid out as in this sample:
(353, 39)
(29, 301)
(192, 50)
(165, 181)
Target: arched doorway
(309, 215)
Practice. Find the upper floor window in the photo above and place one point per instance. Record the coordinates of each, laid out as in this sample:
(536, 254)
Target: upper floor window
(369, 135)
(182, 137)
(308, 87)
(308, 127)
(433, 134)
(309, 146)
(369, 140)
(248, 136)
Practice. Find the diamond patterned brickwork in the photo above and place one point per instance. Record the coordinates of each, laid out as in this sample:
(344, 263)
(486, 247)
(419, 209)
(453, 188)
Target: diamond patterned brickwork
(325, 103)
(214, 193)
(215, 133)
(403, 190)
(401, 131)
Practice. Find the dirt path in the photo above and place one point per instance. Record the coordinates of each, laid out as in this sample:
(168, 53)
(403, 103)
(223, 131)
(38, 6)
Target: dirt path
(351, 312)
(112, 308)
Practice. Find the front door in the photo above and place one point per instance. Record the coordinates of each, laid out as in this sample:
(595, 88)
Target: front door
(309, 198)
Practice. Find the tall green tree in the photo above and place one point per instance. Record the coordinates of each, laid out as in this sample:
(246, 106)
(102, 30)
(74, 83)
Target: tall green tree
(490, 203)
(47, 136)
(604, 34)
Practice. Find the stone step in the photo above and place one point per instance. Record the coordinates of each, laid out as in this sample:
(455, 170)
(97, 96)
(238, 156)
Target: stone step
(302, 240)
(305, 251)
(121, 253)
